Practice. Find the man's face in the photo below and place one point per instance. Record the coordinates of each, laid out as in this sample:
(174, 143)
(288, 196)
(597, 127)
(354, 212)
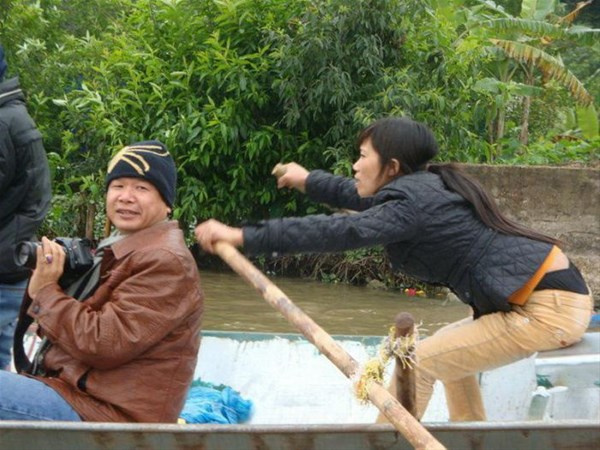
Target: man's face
(133, 204)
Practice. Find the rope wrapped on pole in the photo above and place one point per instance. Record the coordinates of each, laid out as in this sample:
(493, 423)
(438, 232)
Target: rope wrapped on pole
(402, 420)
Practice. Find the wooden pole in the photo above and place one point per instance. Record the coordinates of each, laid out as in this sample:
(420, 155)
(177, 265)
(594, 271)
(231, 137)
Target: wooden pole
(405, 375)
(404, 422)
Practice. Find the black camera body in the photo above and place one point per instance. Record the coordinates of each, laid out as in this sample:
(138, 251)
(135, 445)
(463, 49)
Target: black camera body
(78, 256)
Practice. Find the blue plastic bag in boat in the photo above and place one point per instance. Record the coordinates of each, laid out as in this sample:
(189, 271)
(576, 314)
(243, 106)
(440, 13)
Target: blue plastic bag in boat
(207, 403)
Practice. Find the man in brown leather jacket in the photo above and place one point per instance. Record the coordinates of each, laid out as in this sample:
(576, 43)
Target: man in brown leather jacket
(125, 350)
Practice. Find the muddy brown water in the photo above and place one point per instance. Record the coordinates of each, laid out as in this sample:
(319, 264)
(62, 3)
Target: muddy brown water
(233, 305)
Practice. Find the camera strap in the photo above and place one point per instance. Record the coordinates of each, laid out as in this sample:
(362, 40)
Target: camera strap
(86, 284)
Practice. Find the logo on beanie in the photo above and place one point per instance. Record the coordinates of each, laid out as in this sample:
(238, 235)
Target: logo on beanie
(131, 156)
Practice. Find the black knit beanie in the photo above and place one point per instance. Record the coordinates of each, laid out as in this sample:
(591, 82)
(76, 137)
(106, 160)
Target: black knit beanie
(149, 160)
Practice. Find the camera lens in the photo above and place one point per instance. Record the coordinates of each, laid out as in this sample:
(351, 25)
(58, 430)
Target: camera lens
(25, 254)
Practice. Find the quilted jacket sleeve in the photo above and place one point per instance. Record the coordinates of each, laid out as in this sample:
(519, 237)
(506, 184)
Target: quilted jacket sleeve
(392, 221)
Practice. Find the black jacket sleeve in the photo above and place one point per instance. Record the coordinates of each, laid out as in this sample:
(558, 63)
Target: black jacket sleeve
(389, 222)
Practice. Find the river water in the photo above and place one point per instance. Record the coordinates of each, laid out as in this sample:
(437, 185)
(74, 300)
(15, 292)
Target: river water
(233, 305)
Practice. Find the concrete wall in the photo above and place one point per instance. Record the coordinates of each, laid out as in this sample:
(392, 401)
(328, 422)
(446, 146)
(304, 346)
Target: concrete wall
(561, 202)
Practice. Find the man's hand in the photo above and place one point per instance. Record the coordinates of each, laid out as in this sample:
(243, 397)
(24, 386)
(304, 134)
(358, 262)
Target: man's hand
(211, 231)
(49, 266)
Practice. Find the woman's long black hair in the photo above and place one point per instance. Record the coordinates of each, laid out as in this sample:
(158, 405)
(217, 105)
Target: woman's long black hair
(413, 145)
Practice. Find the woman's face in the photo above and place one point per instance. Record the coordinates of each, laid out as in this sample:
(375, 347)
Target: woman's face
(369, 176)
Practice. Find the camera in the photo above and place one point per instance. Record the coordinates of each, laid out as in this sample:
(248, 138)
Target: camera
(78, 256)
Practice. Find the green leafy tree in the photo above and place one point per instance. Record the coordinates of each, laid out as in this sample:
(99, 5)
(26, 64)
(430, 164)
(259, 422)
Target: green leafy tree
(235, 86)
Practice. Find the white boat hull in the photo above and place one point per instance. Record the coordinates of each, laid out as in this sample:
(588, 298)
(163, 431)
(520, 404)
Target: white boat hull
(290, 382)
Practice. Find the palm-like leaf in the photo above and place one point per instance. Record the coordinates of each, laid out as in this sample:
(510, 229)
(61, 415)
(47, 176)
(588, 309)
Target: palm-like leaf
(551, 67)
(537, 9)
(584, 35)
(543, 30)
(525, 26)
(569, 18)
(587, 118)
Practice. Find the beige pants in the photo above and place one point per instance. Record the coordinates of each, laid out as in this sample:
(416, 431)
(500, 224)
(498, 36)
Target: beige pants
(458, 352)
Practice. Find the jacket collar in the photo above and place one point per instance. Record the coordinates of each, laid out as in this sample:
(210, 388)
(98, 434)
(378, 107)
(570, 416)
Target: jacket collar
(10, 90)
(143, 238)
(400, 183)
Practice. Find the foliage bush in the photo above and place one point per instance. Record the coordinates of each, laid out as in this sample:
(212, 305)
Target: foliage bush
(234, 86)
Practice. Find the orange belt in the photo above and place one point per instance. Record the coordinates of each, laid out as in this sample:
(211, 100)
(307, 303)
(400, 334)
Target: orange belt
(520, 297)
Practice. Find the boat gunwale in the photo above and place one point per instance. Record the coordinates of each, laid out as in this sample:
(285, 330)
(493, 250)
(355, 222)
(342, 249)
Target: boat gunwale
(522, 426)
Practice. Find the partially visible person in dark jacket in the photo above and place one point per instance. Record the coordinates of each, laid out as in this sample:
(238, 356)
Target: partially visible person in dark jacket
(122, 345)
(24, 199)
(440, 226)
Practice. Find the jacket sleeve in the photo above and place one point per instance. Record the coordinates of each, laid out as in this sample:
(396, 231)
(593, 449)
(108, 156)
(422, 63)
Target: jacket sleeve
(17, 131)
(7, 160)
(392, 221)
(335, 191)
(139, 313)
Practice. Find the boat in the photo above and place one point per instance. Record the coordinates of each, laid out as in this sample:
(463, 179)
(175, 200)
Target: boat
(301, 401)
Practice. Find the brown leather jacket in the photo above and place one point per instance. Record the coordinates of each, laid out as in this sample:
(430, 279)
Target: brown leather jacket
(128, 353)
